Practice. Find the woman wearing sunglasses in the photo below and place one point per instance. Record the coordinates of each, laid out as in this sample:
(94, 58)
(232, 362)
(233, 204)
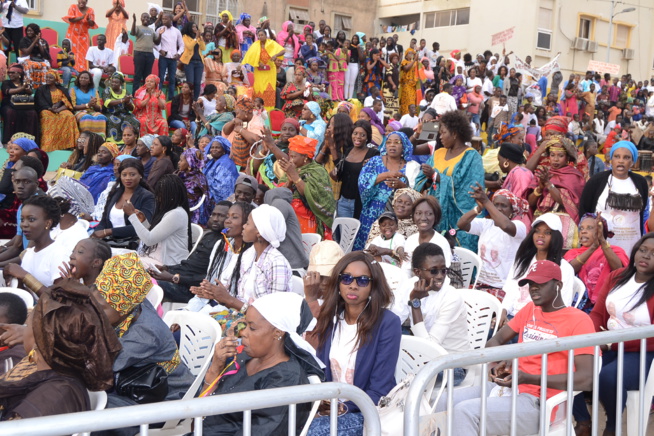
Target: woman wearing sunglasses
(356, 337)
(436, 310)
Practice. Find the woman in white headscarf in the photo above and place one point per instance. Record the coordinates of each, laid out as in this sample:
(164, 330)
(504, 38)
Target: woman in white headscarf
(273, 355)
(264, 269)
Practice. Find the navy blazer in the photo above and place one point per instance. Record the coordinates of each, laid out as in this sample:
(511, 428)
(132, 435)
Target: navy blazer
(374, 371)
(142, 199)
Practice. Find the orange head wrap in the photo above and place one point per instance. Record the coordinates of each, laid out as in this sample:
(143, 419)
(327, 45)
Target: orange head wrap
(303, 145)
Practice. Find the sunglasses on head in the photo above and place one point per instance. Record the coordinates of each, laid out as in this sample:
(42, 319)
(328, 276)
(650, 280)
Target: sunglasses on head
(347, 279)
(436, 271)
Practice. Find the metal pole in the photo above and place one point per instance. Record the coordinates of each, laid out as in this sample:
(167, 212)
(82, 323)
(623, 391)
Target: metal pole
(608, 43)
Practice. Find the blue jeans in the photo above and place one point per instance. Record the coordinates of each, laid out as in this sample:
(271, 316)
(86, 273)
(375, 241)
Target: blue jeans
(176, 293)
(177, 124)
(350, 424)
(168, 65)
(68, 72)
(475, 119)
(193, 73)
(345, 207)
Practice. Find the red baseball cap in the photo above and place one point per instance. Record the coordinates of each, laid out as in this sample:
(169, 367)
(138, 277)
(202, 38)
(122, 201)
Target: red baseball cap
(542, 272)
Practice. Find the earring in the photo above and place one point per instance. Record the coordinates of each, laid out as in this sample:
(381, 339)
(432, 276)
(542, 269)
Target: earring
(279, 338)
(31, 357)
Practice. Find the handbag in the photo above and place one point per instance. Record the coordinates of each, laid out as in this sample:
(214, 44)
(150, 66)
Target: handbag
(129, 243)
(68, 173)
(22, 102)
(144, 384)
(391, 411)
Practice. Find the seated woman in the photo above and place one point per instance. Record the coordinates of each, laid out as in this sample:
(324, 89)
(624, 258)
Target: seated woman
(149, 102)
(39, 266)
(16, 119)
(275, 356)
(219, 170)
(263, 268)
(224, 270)
(181, 110)
(499, 237)
(118, 107)
(70, 229)
(356, 336)
(403, 208)
(189, 170)
(379, 178)
(595, 259)
(426, 216)
(53, 382)
(98, 175)
(88, 145)
(313, 199)
(367, 114)
(145, 338)
(214, 70)
(624, 301)
(58, 124)
(98, 210)
(162, 151)
(543, 242)
(236, 75)
(213, 124)
(167, 239)
(87, 105)
(130, 187)
(35, 55)
(143, 146)
(130, 137)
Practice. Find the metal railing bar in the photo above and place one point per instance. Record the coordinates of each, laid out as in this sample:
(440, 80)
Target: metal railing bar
(514, 395)
(544, 419)
(641, 388)
(618, 390)
(183, 409)
(484, 400)
(596, 370)
(570, 389)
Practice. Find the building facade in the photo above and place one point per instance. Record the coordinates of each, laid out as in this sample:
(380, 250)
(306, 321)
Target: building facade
(578, 29)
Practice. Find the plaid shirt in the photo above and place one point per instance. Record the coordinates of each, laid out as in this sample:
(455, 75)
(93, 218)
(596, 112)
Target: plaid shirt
(272, 273)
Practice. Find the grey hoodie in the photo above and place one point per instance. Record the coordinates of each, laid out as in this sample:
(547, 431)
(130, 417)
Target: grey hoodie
(291, 247)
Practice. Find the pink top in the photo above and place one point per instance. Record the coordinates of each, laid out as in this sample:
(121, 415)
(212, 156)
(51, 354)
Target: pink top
(474, 100)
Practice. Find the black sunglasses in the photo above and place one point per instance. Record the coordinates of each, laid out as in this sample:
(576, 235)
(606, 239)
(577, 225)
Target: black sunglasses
(436, 271)
(347, 279)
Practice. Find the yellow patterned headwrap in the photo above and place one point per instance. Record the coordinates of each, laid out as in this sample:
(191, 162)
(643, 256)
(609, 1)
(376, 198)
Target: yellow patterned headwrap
(124, 283)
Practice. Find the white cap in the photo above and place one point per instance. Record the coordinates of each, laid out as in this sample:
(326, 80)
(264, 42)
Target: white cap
(552, 221)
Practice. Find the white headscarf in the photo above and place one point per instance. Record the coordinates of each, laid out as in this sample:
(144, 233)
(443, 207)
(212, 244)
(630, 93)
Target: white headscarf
(156, 6)
(270, 224)
(284, 311)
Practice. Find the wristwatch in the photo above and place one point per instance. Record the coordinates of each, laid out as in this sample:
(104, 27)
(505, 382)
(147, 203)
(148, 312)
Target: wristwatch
(176, 278)
(415, 303)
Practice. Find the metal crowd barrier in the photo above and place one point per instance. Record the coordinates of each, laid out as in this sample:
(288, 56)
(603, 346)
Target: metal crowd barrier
(513, 352)
(143, 415)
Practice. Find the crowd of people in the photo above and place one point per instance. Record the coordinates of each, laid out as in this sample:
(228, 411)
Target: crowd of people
(260, 136)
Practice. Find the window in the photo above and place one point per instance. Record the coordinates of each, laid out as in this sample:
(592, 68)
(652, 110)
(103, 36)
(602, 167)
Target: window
(299, 16)
(212, 9)
(34, 7)
(453, 17)
(621, 36)
(544, 40)
(545, 18)
(584, 28)
(342, 22)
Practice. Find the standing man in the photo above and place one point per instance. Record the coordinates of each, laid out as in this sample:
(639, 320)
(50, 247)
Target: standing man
(12, 21)
(171, 47)
(101, 60)
(319, 32)
(146, 39)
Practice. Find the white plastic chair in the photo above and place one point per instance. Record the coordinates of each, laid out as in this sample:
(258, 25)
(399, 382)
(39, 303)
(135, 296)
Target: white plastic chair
(98, 401)
(196, 233)
(415, 353)
(197, 206)
(633, 404)
(469, 261)
(155, 296)
(24, 295)
(394, 276)
(313, 380)
(297, 285)
(349, 228)
(309, 240)
(578, 289)
(199, 334)
(480, 309)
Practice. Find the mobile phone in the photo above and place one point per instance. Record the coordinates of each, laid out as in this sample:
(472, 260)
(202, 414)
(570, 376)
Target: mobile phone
(155, 269)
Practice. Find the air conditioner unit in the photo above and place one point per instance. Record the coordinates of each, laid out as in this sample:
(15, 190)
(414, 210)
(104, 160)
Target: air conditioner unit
(579, 44)
(592, 47)
(628, 53)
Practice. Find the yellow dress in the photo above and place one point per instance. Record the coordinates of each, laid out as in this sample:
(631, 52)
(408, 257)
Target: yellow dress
(58, 131)
(265, 79)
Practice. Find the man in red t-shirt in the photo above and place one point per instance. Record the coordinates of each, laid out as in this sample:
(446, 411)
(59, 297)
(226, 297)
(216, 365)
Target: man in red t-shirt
(546, 317)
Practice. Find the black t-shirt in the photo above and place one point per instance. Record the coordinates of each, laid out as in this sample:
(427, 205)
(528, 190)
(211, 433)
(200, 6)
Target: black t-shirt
(350, 176)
